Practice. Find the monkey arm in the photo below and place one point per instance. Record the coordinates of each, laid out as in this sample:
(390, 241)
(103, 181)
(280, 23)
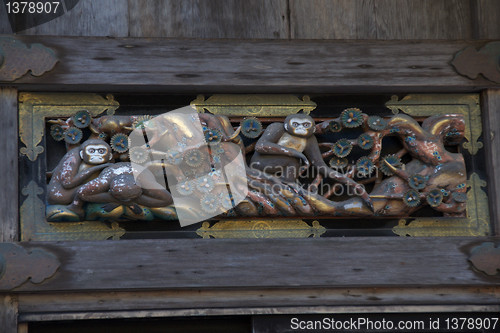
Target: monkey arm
(81, 177)
(67, 169)
(267, 144)
(322, 127)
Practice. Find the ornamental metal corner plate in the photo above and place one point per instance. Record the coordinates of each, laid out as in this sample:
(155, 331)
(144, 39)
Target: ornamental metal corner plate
(17, 59)
(296, 213)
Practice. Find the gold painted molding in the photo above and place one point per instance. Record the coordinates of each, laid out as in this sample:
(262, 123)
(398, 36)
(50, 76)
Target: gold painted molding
(263, 228)
(35, 107)
(35, 227)
(253, 105)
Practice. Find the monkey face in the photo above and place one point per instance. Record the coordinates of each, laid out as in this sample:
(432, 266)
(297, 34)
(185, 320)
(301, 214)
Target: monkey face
(95, 154)
(300, 125)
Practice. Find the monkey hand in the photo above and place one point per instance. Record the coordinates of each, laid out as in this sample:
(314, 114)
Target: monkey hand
(305, 162)
(358, 188)
(100, 167)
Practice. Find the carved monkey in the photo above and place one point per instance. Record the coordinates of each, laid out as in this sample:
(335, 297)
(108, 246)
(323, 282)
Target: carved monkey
(118, 185)
(75, 168)
(283, 146)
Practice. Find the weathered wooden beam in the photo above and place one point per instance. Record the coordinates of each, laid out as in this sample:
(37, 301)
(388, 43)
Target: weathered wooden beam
(207, 66)
(8, 165)
(302, 310)
(273, 263)
(256, 298)
(491, 114)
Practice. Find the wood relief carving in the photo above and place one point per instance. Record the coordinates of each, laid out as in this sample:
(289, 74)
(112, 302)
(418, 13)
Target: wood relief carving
(17, 59)
(294, 168)
(305, 171)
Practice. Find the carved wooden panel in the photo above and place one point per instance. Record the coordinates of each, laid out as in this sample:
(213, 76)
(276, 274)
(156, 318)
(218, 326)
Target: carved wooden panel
(315, 166)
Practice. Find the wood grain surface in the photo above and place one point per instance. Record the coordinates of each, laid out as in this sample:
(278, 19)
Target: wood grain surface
(277, 19)
(263, 263)
(207, 66)
(491, 114)
(8, 165)
(88, 18)
(209, 19)
(486, 24)
(8, 314)
(196, 299)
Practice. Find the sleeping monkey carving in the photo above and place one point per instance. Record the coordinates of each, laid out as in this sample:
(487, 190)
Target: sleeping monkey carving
(283, 147)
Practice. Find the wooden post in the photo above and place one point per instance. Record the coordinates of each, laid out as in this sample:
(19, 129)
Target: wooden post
(8, 314)
(8, 165)
(491, 115)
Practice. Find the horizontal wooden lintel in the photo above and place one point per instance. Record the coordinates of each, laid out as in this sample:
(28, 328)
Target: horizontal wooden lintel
(212, 66)
(255, 301)
(261, 263)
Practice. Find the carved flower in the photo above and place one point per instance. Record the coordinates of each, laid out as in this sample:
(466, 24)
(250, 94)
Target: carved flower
(73, 135)
(338, 163)
(417, 181)
(411, 198)
(213, 136)
(377, 123)
(173, 157)
(119, 143)
(459, 196)
(335, 126)
(185, 188)
(392, 160)
(251, 127)
(209, 203)
(193, 158)
(141, 120)
(205, 184)
(365, 141)
(57, 132)
(226, 201)
(138, 155)
(82, 119)
(364, 166)
(434, 197)
(342, 148)
(351, 118)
